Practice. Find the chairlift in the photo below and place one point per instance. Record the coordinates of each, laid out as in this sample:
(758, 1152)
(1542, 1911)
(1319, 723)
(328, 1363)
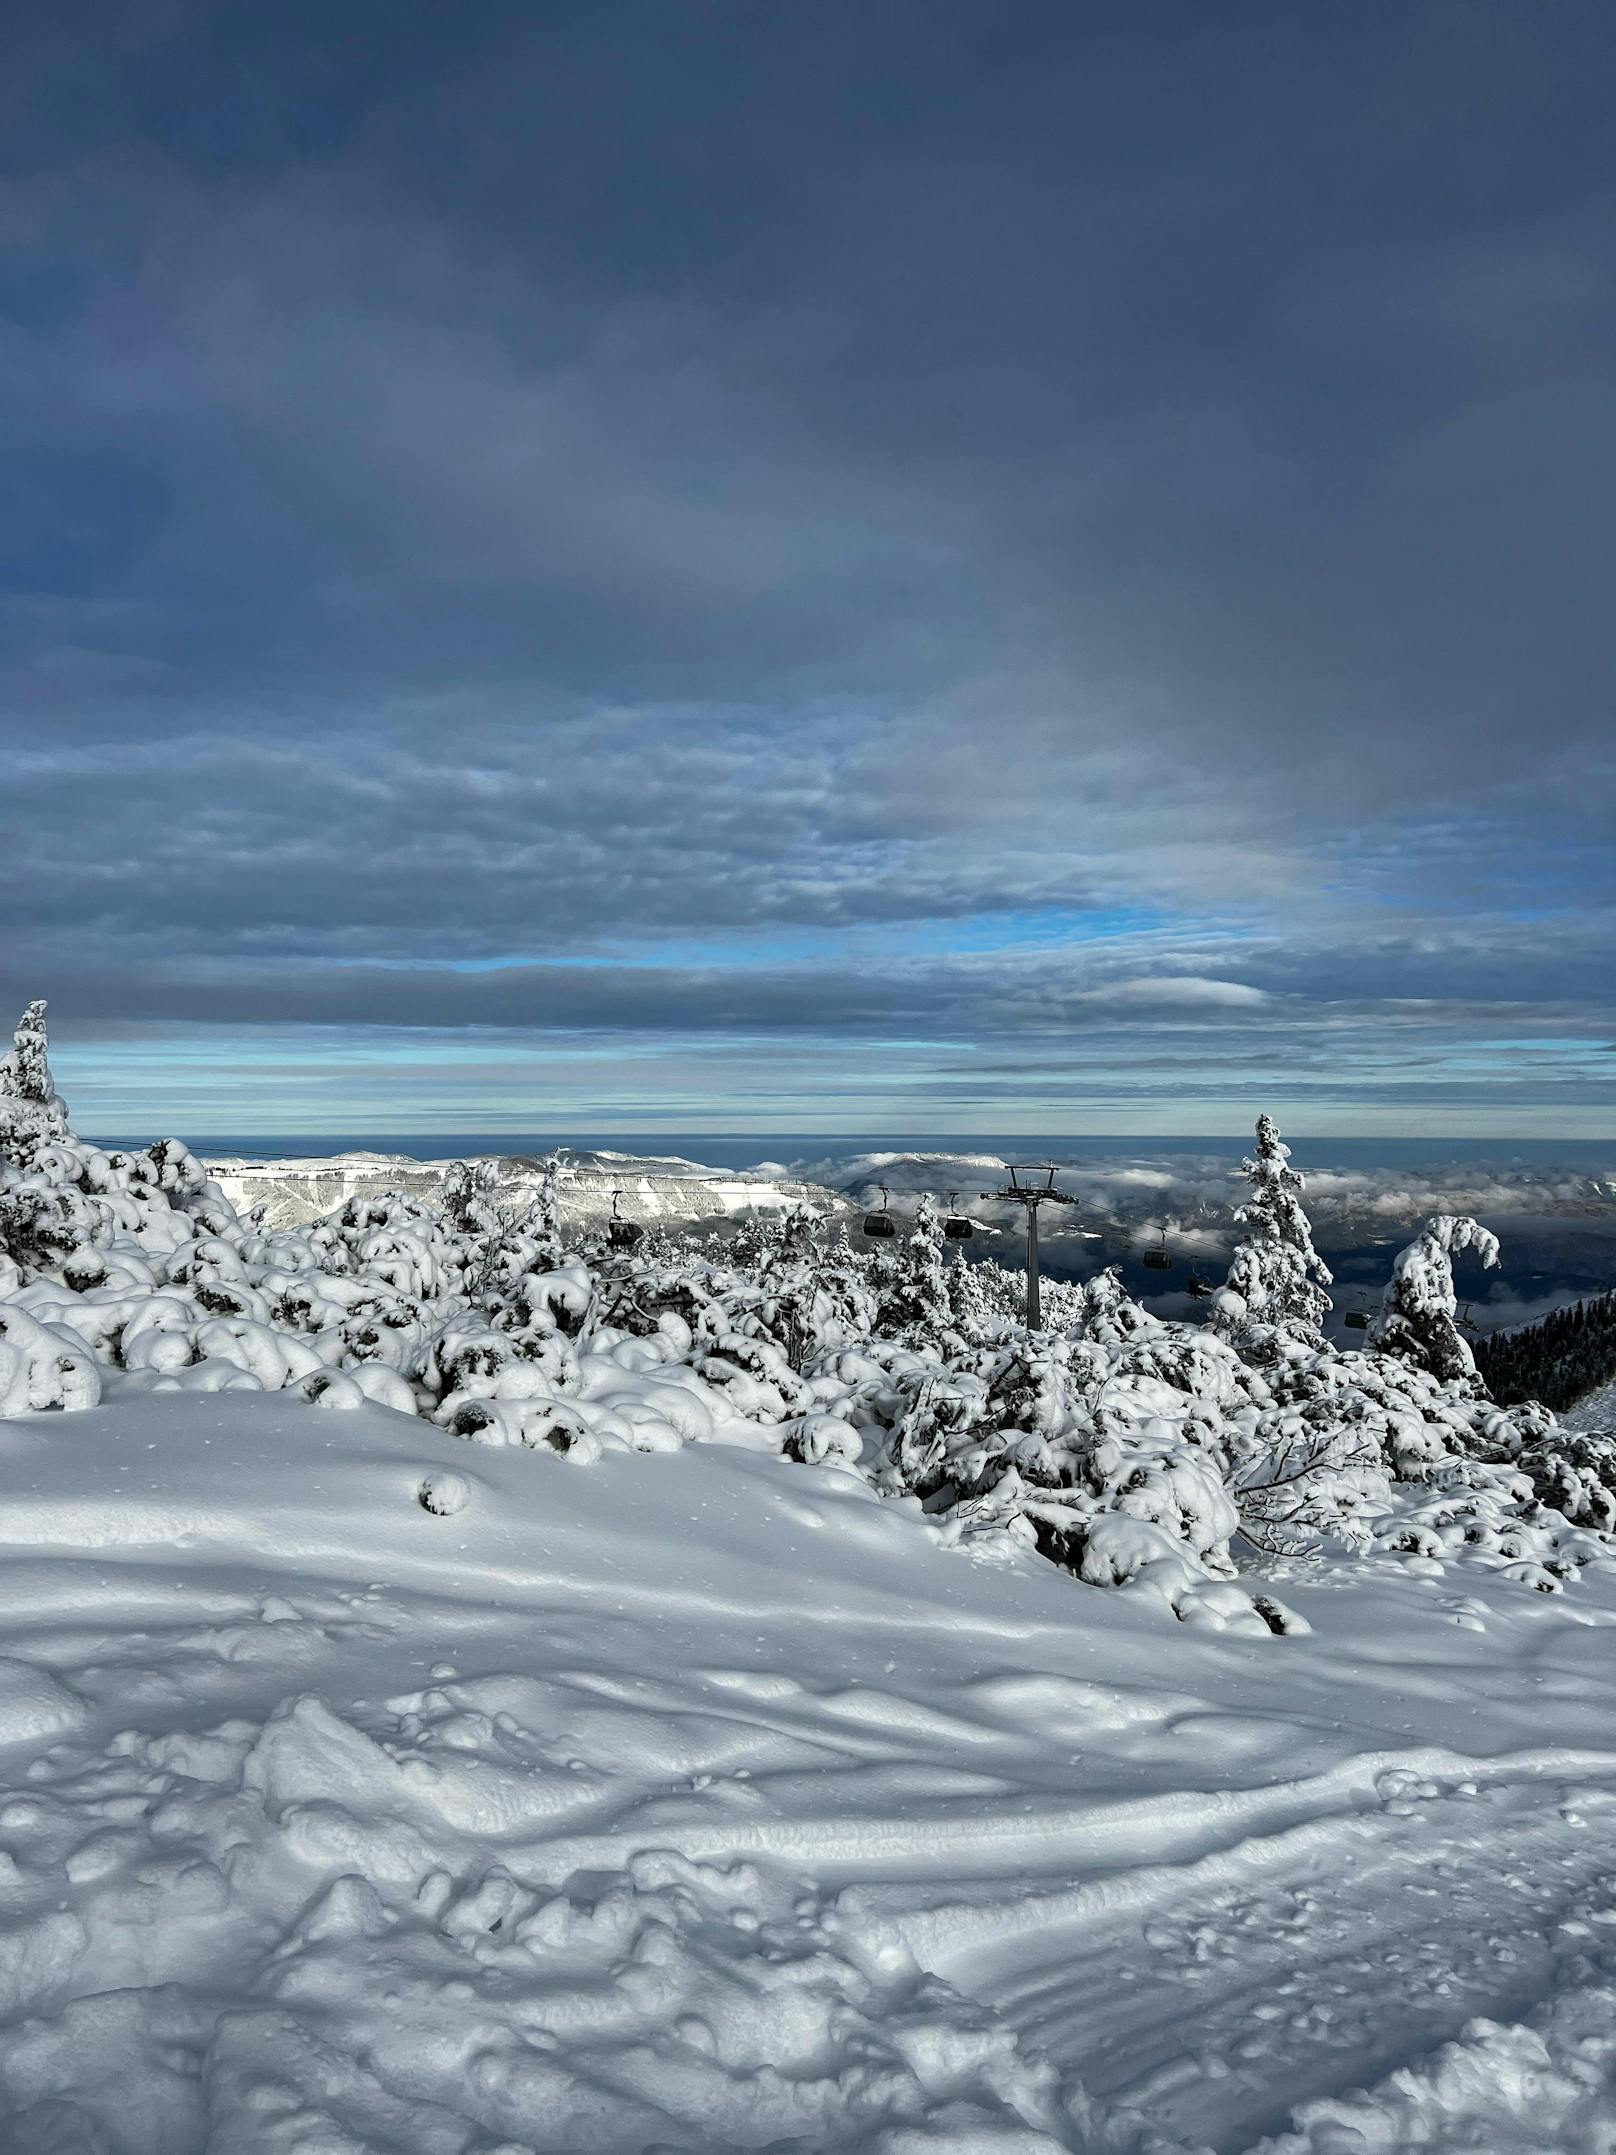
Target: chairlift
(1356, 1320)
(620, 1233)
(957, 1226)
(1160, 1260)
(880, 1226)
(1196, 1287)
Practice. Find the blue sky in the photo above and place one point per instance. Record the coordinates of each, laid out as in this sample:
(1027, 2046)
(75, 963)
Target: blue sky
(817, 568)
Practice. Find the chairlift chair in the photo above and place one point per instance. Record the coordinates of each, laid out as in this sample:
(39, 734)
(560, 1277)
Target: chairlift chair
(1196, 1287)
(1160, 1260)
(620, 1233)
(1356, 1320)
(957, 1226)
(880, 1226)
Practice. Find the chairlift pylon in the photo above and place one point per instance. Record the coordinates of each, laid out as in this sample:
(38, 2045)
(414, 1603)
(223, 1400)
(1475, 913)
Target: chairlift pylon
(1030, 1186)
(880, 1226)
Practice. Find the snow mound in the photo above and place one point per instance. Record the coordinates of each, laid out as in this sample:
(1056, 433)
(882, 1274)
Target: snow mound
(33, 1705)
(1543, 2087)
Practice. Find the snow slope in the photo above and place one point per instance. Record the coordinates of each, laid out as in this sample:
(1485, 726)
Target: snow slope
(1597, 1411)
(698, 1801)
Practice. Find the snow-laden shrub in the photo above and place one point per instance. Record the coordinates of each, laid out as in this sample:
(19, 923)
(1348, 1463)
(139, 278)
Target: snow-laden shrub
(372, 1383)
(1482, 1514)
(1574, 1470)
(1046, 1439)
(819, 1440)
(42, 1367)
(1310, 1478)
(1137, 1453)
(444, 1493)
(1418, 1315)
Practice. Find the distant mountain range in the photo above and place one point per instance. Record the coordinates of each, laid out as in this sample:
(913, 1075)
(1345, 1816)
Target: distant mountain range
(666, 1191)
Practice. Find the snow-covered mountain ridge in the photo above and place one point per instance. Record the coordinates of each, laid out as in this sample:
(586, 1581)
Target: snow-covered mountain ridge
(646, 1188)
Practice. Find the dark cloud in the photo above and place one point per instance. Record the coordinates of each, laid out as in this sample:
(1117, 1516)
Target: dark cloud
(929, 521)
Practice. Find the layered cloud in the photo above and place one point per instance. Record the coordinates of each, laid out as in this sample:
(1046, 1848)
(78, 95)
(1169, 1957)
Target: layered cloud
(1063, 555)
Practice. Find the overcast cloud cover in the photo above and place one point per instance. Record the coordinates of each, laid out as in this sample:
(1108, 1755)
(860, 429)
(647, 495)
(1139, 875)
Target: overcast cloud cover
(808, 566)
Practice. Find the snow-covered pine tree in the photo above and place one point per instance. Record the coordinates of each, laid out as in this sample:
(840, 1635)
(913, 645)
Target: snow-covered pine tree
(29, 1102)
(799, 1233)
(843, 1305)
(1417, 1318)
(540, 1228)
(25, 1072)
(773, 1289)
(916, 1305)
(972, 1307)
(1276, 1277)
(470, 1197)
(755, 1242)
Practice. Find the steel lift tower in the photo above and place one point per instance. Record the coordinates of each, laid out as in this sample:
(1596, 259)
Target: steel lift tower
(1026, 1189)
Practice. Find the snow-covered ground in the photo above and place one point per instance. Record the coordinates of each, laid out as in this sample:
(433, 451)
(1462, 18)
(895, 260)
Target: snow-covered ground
(1597, 1411)
(699, 1801)
(719, 1751)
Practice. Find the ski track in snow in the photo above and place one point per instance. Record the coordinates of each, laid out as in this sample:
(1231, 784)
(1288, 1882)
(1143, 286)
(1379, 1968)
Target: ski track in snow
(705, 1802)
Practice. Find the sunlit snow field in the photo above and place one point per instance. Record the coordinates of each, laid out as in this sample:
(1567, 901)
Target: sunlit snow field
(702, 1802)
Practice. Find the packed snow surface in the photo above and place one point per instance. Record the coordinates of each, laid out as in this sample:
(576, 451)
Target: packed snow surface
(372, 1793)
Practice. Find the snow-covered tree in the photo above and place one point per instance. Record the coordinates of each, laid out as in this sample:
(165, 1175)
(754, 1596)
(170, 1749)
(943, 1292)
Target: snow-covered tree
(517, 1244)
(1002, 1290)
(1276, 1278)
(973, 1310)
(915, 1304)
(475, 1220)
(470, 1198)
(31, 1110)
(25, 1071)
(1417, 1317)
(1125, 1447)
(1575, 1471)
